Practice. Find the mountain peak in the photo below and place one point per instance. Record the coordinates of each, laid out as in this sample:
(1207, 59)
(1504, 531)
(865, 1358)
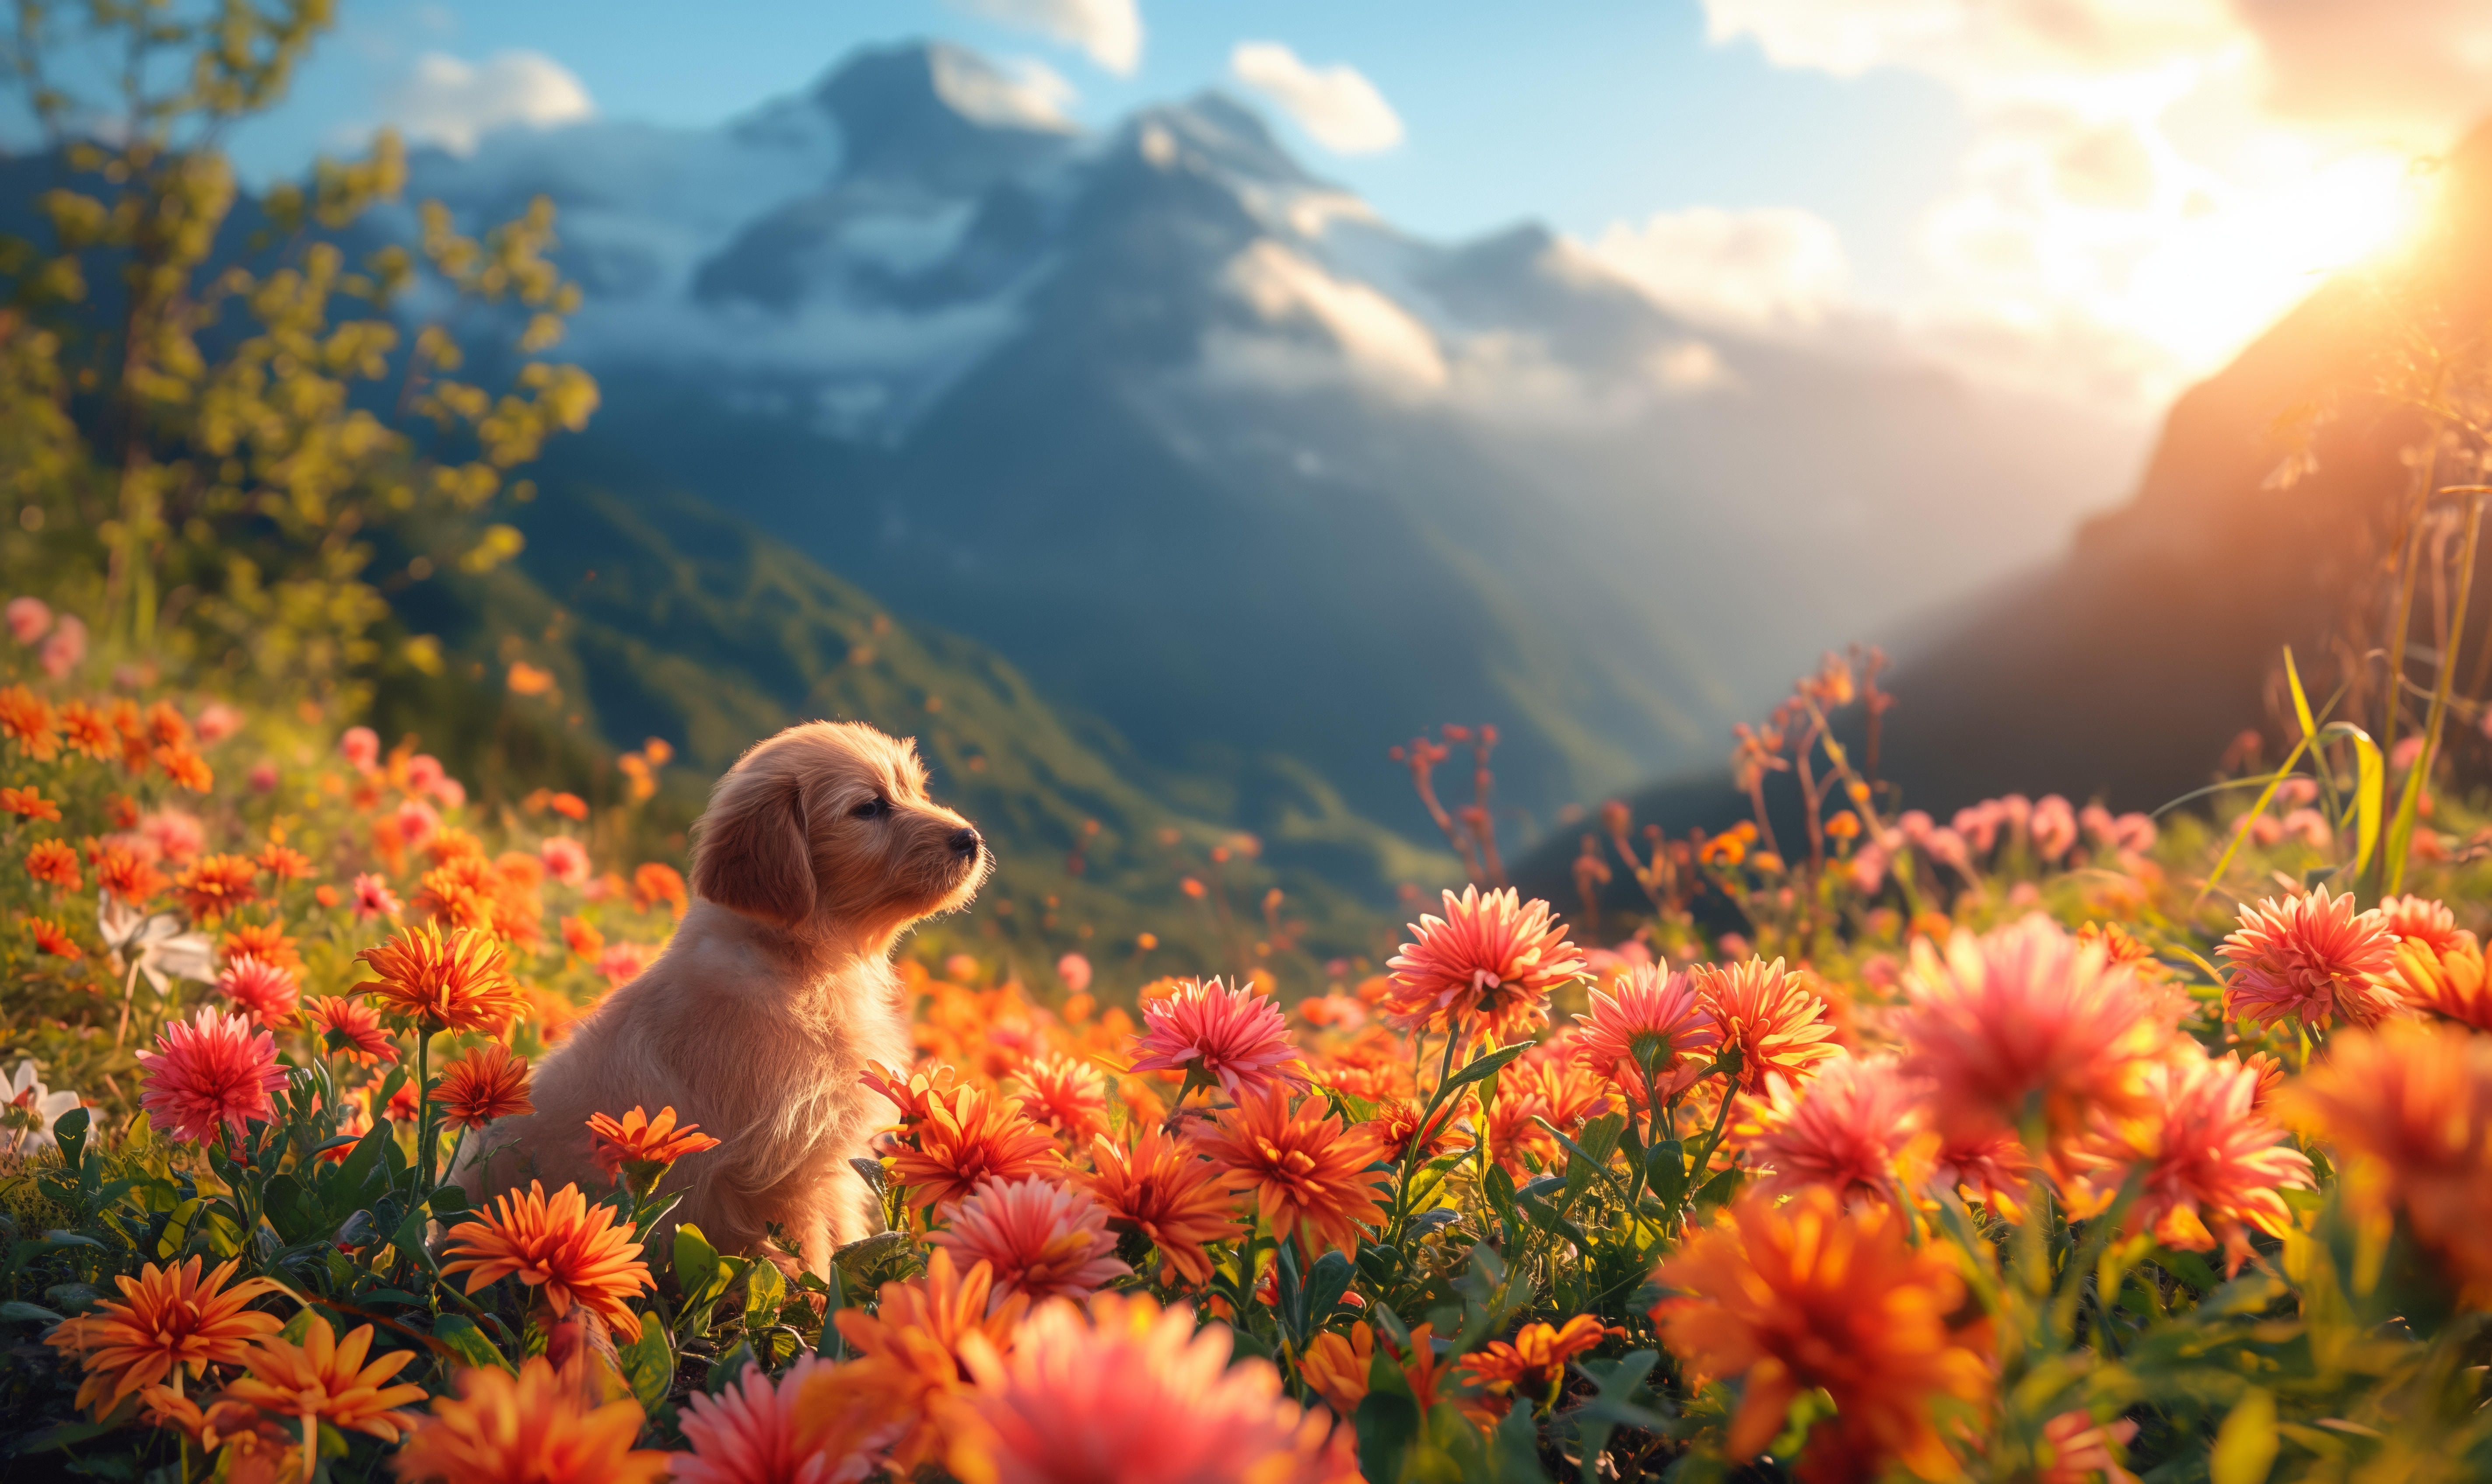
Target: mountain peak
(940, 115)
(1215, 130)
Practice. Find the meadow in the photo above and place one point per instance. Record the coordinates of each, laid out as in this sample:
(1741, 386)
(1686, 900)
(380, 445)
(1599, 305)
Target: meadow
(2038, 1142)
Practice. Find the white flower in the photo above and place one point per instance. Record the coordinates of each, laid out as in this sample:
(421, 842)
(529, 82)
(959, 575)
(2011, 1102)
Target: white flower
(161, 945)
(26, 1118)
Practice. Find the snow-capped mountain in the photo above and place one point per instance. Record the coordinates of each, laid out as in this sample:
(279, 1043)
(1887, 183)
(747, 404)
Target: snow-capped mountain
(1224, 460)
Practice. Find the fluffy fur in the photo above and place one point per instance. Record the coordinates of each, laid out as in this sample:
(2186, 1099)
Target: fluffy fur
(818, 849)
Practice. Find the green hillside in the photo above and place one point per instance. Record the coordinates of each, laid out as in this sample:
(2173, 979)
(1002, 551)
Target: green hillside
(658, 616)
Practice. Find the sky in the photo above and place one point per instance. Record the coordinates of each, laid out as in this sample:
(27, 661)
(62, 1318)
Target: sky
(2096, 197)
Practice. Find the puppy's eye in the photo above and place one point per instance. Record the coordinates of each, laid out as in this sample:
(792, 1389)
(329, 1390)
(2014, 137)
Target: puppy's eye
(871, 809)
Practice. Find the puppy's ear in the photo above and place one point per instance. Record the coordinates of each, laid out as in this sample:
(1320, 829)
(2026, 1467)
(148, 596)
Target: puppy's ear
(753, 856)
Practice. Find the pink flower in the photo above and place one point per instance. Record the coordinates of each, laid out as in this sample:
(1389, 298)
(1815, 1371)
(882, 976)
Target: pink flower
(1655, 1012)
(417, 823)
(1486, 966)
(1234, 1037)
(217, 722)
(452, 794)
(263, 990)
(1039, 1239)
(751, 1433)
(372, 898)
(1847, 1129)
(622, 963)
(1979, 824)
(424, 772)
(208, 1071)
(1133, 1393)
(2212, 1161)
(176, 836)
(262, 777)
(2026, 1015)
(28, 618)
(66, 650)
(2309, 957)
(566, 859)
(1075, 971)
(363, 748)
(2054, 828)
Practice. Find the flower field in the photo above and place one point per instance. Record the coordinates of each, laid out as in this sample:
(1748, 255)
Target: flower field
(2041, 1145)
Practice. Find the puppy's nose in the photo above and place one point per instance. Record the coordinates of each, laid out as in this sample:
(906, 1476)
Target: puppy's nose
(966, 842)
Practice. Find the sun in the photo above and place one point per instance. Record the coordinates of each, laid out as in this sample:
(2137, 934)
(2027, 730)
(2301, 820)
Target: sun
(2226, 266)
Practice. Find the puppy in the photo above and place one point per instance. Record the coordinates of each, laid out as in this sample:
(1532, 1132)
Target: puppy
(818, 849)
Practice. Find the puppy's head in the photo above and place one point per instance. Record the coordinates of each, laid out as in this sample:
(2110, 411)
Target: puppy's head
(826, 829)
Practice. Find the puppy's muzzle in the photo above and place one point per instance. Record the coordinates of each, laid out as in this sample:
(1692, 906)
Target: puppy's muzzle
(966, 844)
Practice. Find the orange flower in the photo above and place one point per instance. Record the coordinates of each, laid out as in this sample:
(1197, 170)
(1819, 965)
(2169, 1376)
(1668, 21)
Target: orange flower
(262, 991)
(1305, 1170)
(1853, 1129)
(166, 726)
(1488, 966)
(2422, 920)
(910, 1349)
(186, 767)
(2311, 958)
(751, 1431)
(1535, 1361)
(1397, 1125)
(2407, 1109)
(527, 680)
(1338, 1366)
(1420, 1367)
(285, 862)
(218, 884)
(264, 941)
(56, 863)
(29, 803)
(53, 938)
(86, 730)
(2446, 981)
(1653, 1014)
(914, 1095)
(483, 1084)
(127, 878)
(1566, 1093)
(968, 1139)
(1068, 1095)
(578, 1255)
(258, 1449)
(1769, 1016)
(1797, 1294)
(570, 805)
(169, 1317)
(1161, 1188)
(324, 1380)
(456, 980)
(644, 1148)
(582, 938)
(536, 1427)
(351, 1027)
(654, 882)
(26, 719)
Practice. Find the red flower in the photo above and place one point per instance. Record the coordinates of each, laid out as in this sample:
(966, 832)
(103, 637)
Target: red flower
(209, 1070)
(263, 990)
(1235, 1037)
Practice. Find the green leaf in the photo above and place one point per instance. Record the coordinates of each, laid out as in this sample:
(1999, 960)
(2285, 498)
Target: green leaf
(2300, 701)
(177, 1230)
(447, 1200)
(1719, 1190)
(766, 1289)
(1487, 1065)
(1665, 1170)
(1500, 1197)
(2245, 1445)
(71, 1129)
(1387, 1422)
(472, 1346)
(649, 1365)
(18, 1311)
(1327, 1282)
(1594, 1147)
(696, 1260)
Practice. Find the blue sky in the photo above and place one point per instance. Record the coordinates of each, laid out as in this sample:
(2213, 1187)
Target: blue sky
(2098, 198)
(1577, 113)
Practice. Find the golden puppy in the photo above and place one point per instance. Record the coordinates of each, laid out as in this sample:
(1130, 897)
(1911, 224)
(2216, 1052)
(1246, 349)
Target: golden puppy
(818, 849)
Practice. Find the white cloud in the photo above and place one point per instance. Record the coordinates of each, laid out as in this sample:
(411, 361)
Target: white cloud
(1767, 268)
(1111, 31)
(1336, 106)
(1377, 338)
(1021, 93)
(453, 104)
